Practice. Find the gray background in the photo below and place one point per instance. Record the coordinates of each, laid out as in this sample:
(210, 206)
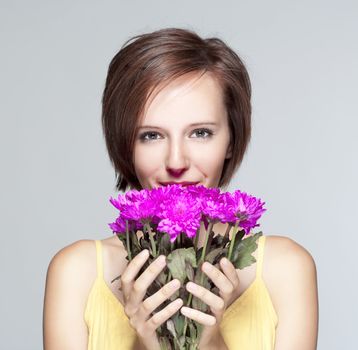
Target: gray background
(56, 178)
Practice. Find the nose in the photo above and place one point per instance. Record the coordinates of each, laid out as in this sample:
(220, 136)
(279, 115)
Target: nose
(176, 162)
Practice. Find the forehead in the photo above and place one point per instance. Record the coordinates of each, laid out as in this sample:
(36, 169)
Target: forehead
(189, 98)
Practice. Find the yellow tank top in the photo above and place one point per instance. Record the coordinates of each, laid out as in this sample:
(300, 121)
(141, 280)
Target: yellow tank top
(249, 322)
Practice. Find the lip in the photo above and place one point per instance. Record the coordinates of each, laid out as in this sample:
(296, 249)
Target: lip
(183, 183)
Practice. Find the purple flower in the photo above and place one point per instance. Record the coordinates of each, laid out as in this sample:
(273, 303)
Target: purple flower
(176, 209)
(179, 212)
(245, 209)
(135, 206)
(119, 226)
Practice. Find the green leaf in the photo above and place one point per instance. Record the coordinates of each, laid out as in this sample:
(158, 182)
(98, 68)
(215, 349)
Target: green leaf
(210, 257)
(162, 277)
(176, 262)
(164, 244)
(182, 340)
(179, 320)
(242, 250)
(202, 280)
(171, 327)
(189, 271)
(192, 330)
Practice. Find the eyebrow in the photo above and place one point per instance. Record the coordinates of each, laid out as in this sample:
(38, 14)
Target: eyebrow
(193, 124)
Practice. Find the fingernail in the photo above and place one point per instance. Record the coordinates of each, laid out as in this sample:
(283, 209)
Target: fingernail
(175, 284)
(225, 261)
(191, 286)
(161, 260)
(206, 267)
(178, 302)
(186, 311)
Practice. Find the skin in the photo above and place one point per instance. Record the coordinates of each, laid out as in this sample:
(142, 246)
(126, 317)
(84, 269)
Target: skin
(169, 148)
(178, 152)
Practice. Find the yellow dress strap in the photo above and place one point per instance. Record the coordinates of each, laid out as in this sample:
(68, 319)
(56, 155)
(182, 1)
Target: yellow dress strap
(260, 256)
(99, 258)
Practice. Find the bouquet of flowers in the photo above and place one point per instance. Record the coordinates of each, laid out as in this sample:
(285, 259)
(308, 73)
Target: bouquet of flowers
(167, 220)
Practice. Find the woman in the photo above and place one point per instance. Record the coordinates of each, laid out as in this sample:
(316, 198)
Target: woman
(176, 108)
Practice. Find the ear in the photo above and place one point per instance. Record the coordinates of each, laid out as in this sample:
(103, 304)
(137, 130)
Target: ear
(229, 152)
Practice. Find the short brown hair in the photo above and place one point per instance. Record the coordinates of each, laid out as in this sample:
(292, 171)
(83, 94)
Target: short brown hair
(147, 61)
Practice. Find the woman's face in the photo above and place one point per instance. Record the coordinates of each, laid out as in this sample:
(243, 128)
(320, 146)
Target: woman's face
(169, 148)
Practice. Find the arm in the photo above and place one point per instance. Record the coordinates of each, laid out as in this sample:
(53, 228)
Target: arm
(67, 287)
(296, 298)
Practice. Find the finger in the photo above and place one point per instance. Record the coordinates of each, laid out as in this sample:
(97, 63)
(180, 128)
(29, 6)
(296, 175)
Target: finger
(152, 302)
(230, 272)
(216, 303)
(142, 283)
(219, 279)
(201, 317)
(160, 317)
(131, 271)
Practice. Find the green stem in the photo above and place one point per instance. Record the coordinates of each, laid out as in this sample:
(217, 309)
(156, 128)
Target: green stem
(189, 300)
(196, 239)
(154, 248)
(208, 232)
(210, 227)
(232, 242)
(229, 226)
(128, 244)
(169, 277)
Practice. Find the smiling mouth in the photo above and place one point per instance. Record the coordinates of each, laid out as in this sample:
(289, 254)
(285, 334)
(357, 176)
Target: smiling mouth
(184, 183)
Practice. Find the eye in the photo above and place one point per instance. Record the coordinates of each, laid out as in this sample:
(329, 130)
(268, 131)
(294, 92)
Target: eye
(202, 131)
(143, 137)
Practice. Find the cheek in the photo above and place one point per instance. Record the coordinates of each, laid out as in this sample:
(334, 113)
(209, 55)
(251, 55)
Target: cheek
(210, 159)
(146, 160)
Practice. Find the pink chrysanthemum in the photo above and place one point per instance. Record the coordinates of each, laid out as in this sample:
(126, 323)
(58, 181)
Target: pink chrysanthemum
(137, 207)
(245, 208)
(179, 212)
(175, 209)
(119, 226)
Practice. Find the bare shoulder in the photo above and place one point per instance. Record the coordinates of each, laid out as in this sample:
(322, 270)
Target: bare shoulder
(286, 260)
(75, 257)
(70, 275)
(78, 247)
(283, 253)
(75, 260)
(292, 281)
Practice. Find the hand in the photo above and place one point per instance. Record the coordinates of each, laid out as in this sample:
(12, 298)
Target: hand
(227, 283)
(139, 311)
